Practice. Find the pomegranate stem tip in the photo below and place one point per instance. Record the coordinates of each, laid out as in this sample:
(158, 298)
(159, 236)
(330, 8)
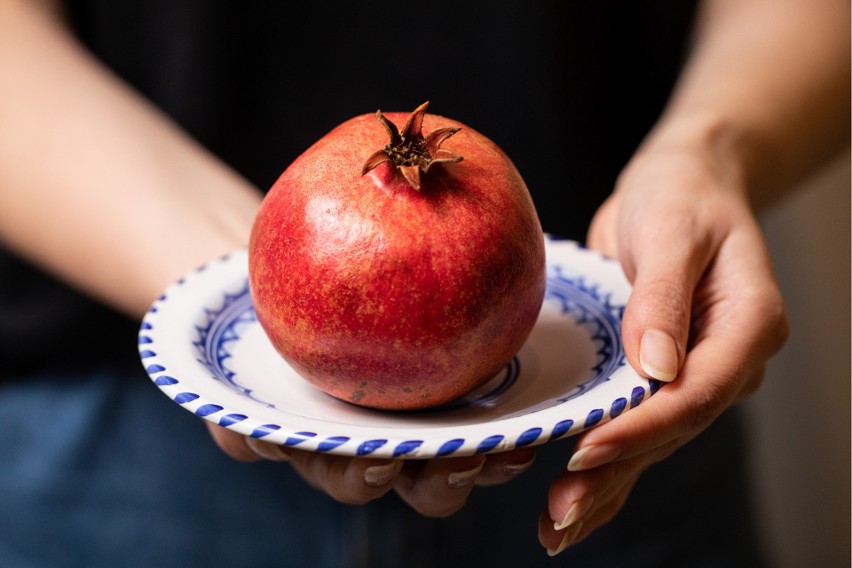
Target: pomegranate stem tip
(409, 151)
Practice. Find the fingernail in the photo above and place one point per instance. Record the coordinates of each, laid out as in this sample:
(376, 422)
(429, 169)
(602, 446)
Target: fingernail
(513, 469)
(266, 450)
(593, 456)
(379, 475)
(461, 479)
(658, 355)
(576, 512)
(567, 540)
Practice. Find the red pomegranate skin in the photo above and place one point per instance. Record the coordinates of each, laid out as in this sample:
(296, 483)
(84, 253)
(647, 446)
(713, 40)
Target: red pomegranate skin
(390, 297)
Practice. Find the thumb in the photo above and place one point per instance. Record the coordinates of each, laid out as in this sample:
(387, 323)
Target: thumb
(656, 320)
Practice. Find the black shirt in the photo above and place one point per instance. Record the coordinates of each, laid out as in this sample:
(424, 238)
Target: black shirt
(567, 89)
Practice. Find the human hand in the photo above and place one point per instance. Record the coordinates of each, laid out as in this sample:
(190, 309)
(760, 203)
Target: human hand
(705, 310)
(434, 488)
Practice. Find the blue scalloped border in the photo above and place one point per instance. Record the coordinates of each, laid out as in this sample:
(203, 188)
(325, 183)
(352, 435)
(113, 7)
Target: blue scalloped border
(592, 308)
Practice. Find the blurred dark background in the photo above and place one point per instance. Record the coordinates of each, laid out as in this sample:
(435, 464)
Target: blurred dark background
(567, 89)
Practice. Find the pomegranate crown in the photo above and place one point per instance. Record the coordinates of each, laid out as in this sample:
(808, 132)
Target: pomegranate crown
(409, 151)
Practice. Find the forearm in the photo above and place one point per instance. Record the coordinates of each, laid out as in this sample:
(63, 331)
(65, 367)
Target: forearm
(96, 185)
(766, 88)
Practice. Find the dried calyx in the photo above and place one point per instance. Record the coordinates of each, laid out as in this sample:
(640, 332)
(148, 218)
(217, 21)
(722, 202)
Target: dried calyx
(409, 151)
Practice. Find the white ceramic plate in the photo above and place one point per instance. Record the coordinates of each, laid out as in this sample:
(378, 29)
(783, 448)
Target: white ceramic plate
(202, 346)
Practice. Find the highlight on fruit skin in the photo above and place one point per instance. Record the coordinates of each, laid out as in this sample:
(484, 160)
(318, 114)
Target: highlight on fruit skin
(409, 151)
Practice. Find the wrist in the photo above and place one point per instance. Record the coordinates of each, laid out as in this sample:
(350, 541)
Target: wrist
(709, 145)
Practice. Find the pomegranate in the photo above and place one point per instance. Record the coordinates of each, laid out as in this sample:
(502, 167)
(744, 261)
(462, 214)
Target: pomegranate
(397, 274)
